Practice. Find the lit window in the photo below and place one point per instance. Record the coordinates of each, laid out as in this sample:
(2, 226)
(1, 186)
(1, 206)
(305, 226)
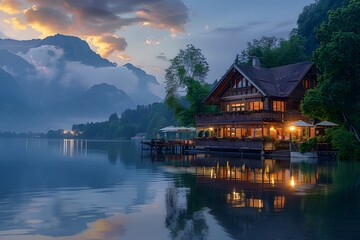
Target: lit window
(279, 106)
(306, 83)
(255, 106)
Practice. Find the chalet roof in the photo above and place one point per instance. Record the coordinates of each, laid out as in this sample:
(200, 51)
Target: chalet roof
(275, 82)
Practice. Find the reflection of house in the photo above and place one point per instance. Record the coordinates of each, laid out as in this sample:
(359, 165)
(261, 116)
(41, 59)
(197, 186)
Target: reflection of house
(255, 101)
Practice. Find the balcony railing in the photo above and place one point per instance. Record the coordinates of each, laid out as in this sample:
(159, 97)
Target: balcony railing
(234, 144)
(255, 116)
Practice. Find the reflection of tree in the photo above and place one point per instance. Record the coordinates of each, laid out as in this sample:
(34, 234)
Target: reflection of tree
(335, 211)
(182, 222)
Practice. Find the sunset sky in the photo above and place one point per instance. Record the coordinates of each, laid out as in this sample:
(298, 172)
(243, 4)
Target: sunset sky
(147, 33)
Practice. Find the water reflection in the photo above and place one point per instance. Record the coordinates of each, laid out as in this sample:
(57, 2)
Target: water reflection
(77, 189)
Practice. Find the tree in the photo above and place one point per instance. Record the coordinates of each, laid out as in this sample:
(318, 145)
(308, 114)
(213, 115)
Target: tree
(113, 117)
(312, 17)
(274, 52)
(188, 64)
(187, 71)
(338, 59)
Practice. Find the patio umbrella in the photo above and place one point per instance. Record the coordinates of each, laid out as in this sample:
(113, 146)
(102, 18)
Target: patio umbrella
(169, 129)
(301, 123)
(186, 129)
(326, 124)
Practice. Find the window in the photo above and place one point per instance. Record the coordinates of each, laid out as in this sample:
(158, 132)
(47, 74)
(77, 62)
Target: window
(306, 83)
(235, 107)
(278, 106)
(255, 106)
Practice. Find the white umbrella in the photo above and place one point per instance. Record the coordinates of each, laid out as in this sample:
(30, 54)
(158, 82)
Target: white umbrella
(326, 124)
(169, 129)
(186, 129)
(301, 123)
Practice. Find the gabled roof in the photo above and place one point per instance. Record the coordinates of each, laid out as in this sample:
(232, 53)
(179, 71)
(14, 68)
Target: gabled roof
(276, 82)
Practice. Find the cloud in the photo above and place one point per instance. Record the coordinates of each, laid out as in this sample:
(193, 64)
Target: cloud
(52, 68)
(286, 24)
(162, 56)
(237, 29)
(150, 41)
(108, 44)
(47, 20)
(103, 19)
(10, 6)
(16, 23)
(84, 76)
(45, 59)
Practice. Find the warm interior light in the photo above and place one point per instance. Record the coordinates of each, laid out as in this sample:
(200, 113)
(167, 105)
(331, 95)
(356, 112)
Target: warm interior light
(211, 129)
(271, 128)
(292, 181)
(292, 128)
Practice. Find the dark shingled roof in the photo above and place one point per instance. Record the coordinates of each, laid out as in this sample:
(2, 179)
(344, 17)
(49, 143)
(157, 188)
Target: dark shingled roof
(278, 81)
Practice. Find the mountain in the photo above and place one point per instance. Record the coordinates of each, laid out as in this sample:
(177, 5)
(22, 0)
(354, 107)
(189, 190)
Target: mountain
(99, 101)
(15, 64)
(58, 81)
(141, 75)
(16, 46)
(76, 50)
(142, 96)
(10, 93)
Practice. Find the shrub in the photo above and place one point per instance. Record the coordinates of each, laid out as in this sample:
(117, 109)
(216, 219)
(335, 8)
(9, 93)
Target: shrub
(308, 146)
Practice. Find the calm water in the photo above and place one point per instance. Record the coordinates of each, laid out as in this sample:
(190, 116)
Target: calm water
(68, 189)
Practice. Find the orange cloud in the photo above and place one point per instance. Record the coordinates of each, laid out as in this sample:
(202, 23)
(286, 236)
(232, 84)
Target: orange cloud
(10, 6)
(124, 57)
(47, 20)
(16, 23)
(99, 21)
(108, 44)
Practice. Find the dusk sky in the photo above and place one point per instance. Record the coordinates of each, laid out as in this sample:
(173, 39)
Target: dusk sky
(147, 33)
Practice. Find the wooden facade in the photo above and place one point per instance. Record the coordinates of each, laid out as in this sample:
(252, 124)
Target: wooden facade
(258, 102)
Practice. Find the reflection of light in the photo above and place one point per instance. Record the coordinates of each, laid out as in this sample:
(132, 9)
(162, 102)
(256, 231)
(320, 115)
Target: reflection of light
(292, 181)
(212, 174)
(272, 180)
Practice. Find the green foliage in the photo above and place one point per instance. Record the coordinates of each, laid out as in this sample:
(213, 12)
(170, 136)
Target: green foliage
(148, 119)
(187, 70)
(114, 117)
(189, 64)
(344, 141)
(312, 17)
(308, 146)
(337, 95)
(316, 105)
(274, 52)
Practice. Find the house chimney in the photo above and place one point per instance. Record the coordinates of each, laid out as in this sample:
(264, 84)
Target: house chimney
(255, 61)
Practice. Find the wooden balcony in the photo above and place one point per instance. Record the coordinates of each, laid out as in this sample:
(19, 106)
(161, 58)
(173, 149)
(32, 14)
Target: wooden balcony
(248, 117)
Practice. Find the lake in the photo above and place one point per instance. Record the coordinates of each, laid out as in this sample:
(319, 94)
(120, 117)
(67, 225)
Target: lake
(77, 190)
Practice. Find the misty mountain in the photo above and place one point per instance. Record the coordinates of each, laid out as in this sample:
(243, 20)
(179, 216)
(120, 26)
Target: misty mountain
(59, 81)
(76, 49)
(10, 93)
(104, 100)
(141, 75)
(18, 46)
(15, 64)
(142, 96)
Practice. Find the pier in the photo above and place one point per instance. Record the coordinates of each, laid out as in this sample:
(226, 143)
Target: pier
(159, 146)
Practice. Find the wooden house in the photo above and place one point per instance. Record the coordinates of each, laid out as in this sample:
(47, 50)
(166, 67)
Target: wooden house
(257, 102)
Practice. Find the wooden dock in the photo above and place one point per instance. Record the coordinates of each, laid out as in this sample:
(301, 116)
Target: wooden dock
(159, 146)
